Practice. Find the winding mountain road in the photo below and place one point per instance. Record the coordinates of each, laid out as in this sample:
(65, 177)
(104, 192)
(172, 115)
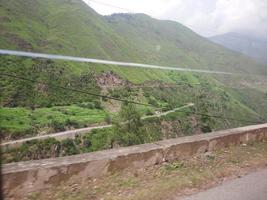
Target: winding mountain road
(72, 133)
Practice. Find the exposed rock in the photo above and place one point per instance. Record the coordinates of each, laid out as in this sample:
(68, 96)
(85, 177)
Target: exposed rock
(22, 44)
(110, 80)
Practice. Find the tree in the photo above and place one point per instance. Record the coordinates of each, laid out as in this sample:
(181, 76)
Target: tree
(128, 128)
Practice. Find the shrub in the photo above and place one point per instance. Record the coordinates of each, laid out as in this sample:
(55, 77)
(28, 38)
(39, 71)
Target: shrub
(152, 101)
(72, 123)
(68, 147)
(206, 129)
(108, 119)
(98, 104)
(58, 126)
(149, 112)
(89, 105)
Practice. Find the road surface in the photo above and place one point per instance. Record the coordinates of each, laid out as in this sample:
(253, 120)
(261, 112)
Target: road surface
(250, 187)
(72, 133)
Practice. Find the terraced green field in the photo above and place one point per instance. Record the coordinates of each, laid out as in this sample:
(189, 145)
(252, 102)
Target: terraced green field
(22, 122)
(42, 106)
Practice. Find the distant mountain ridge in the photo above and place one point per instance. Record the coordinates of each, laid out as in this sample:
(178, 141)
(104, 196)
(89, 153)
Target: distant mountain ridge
(71, 27)
(251, 46)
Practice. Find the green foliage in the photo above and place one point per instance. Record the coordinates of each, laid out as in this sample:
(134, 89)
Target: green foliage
(24, 27)
(98, 104)
(29, 108)
(98, 139)
(68, 147)
(45, 92)
(178, 165)
(21, 122)
(129, 129)
(108, 119)
(33, 150)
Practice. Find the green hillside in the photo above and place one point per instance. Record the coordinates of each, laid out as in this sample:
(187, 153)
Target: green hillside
(70, 27)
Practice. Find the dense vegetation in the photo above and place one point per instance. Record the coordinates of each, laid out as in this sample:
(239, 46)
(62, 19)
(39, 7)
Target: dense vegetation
(21, 122)
(48, 112)
(43, 106)
(135, 131)
(138, 131)
(73, 28)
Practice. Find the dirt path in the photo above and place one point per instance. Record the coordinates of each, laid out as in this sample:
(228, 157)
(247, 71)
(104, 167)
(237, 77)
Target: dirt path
(72, 133)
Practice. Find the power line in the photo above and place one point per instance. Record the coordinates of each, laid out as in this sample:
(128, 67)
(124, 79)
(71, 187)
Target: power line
(75, 90)
(226, 118)
(195, 27)
(219, 117)
(107, 62)
(132, 102)
(110, 5)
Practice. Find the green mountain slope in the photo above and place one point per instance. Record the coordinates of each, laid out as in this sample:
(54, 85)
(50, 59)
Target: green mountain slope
(66, 27)
(70, 27)
(168, 42)
(251, 46)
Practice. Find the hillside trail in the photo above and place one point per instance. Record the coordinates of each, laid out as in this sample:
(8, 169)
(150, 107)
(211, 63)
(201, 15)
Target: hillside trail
(72, 133)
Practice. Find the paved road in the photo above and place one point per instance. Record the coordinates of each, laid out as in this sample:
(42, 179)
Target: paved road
(250, 187)
(72, 133)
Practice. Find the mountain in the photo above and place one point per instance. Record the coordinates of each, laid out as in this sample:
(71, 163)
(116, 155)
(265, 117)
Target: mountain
(247, 45)
(71, 27)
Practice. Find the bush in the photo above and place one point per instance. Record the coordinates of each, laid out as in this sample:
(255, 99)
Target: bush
(149, 112)
(98, 105)
(58, 126)
(89, 105)
(152, 101)
(77, 140)
(87, 143)
(71, 123)
(108, 119)
(115, 93)
(68, 147)
(98, 139)
(206, 129)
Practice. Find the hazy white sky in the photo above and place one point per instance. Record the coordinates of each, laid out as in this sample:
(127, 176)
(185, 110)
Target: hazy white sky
(206, 17)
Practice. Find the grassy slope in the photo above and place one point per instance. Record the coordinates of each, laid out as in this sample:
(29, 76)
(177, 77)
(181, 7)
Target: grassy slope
(67, 27)
(179, 46)
(70, 27)
(23, 122)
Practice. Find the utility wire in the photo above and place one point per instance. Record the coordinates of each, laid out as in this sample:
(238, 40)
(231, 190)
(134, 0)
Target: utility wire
(133, 102)
(221, 117)
(212, 31)
(75, 90)
(109, 5)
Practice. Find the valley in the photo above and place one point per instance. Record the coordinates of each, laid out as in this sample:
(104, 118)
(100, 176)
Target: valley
(43, 96)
